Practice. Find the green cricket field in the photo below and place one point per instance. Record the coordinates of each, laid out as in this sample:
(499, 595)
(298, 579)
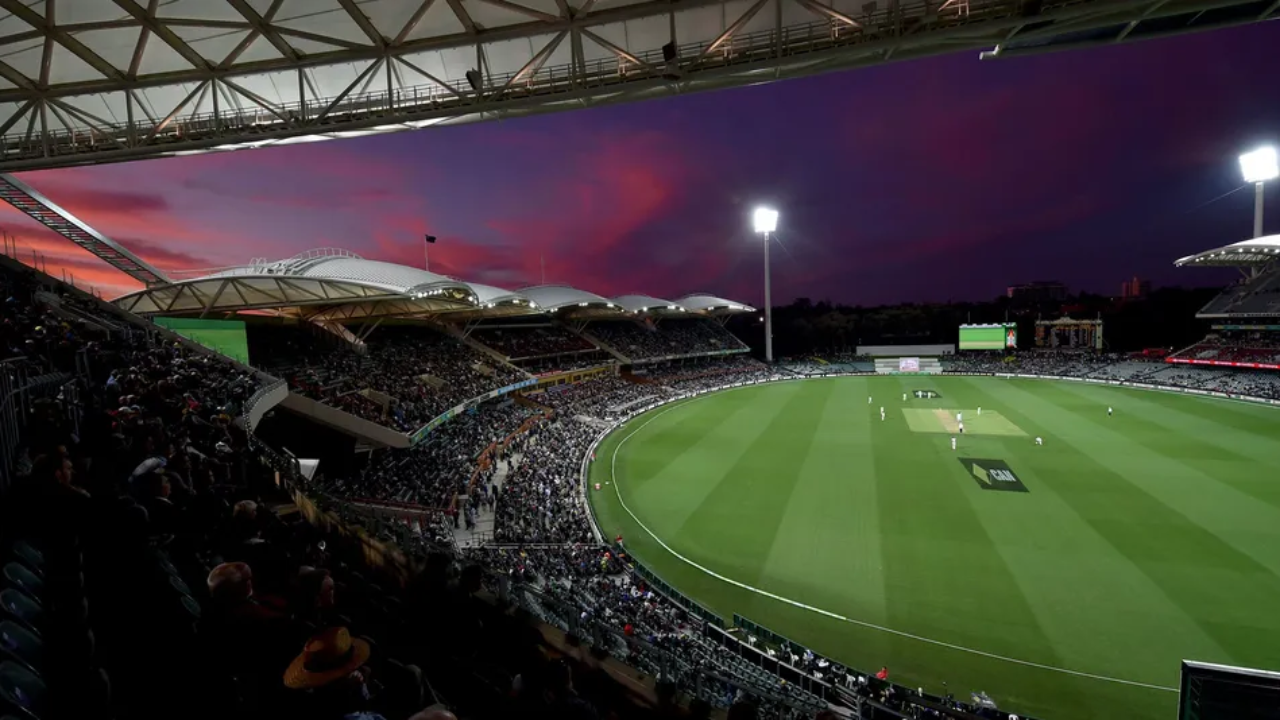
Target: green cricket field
(1066, 580)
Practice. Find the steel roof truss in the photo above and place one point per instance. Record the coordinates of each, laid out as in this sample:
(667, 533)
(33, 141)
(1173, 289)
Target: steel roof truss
(729, 32)
(162, 31)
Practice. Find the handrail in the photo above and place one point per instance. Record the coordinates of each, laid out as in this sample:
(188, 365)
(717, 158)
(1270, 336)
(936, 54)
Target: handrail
(261, 401)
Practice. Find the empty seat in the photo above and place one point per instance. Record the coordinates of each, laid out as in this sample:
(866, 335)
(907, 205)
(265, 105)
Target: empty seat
(22, 692)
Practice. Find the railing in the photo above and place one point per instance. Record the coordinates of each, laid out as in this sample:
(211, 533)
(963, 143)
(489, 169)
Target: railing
(261, 402)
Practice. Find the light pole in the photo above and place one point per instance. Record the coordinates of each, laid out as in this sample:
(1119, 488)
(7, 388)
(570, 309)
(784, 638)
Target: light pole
(1258, 167)
(765, 221)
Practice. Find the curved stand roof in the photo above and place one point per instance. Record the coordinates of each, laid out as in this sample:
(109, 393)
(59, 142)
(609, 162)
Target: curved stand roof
(571, 302)
(647, 304)
(317, 277)
(340, 286)
(1249, 253)
(712, 305)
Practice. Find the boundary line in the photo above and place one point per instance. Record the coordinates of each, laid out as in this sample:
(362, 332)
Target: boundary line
(613, 476)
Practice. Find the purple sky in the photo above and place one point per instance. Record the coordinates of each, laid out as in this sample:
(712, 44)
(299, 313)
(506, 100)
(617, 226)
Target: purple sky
(942, 179)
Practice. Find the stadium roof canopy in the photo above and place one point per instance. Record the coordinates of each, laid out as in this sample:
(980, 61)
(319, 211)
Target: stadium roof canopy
(565, 301)
(327, 278)
(494, 302)
(649, 305)
(87, 81)
(1249, 253)
(712, 305)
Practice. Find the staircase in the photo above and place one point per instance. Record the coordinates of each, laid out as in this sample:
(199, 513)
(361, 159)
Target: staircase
(42, 210)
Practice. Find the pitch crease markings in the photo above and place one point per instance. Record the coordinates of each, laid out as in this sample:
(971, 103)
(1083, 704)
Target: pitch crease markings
(613, 460)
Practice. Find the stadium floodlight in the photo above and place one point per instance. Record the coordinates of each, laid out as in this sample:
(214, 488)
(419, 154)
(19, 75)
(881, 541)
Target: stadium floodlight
(1258, 167)
(765, 220)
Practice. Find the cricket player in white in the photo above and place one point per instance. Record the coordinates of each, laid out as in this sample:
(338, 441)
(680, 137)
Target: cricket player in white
(1039, 441)
(979, 412)
(953, 443)
(868, 399)
(959, 417)
(1108, 412)
(961, 428)
(882, 414)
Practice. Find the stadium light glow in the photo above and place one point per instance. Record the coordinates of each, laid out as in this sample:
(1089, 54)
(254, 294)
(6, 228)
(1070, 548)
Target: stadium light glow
(765, 220)
(1260, 165)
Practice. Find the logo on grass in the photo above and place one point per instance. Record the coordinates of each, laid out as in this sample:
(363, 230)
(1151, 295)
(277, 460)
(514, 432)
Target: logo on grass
(993, 475)
(927, 394)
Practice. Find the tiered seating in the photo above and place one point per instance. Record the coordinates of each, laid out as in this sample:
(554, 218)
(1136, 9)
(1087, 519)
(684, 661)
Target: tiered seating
(423, 372)
(668, 338)
(1258, 295)
(1233, 348)
(532, 342)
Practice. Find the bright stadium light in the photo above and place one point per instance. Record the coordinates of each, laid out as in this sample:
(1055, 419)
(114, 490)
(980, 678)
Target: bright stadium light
(765, 221)
(1258, 167)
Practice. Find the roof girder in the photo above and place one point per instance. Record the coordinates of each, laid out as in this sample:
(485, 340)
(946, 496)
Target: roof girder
(733, 57)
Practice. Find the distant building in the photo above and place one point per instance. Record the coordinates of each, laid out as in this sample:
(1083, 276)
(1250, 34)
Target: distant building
(1134, 289)
(1037, 292)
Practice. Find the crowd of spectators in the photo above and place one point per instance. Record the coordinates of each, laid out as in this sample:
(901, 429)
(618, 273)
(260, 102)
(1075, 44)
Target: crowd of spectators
(531, 342)
(129, 528)
(1119, 368)
(666, 338)
(1066, 363)
(415, 373)
(442, 466)
(1252, 347)
(145, 518)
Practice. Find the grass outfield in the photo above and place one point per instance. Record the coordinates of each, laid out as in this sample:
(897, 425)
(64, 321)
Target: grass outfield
(1137, 541)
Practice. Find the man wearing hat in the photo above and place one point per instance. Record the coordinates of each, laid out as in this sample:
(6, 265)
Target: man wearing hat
(330, 676)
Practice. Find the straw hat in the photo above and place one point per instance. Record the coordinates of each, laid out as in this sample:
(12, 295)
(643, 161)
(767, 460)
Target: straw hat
(329, 655)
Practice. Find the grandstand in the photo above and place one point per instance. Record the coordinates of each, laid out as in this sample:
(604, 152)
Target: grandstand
(1246, 315)
(395, 350)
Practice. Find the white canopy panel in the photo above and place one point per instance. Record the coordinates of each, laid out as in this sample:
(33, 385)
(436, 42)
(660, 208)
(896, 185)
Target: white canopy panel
(323, 277)
(1258, 251)
(106, 80)
(648, 304)
(490, 296)
(712, 305)
(553, 298)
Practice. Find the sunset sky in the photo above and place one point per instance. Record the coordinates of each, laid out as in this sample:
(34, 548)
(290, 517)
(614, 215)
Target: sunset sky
(943, 179)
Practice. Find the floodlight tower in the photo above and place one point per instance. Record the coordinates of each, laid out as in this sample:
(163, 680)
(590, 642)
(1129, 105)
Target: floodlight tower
(765, 221)
(1258, 167)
